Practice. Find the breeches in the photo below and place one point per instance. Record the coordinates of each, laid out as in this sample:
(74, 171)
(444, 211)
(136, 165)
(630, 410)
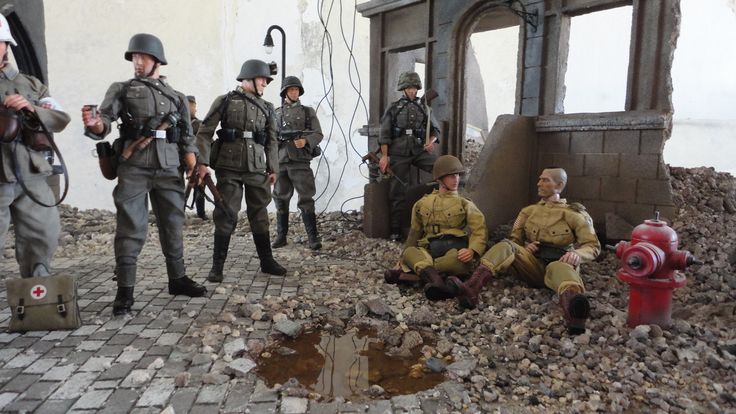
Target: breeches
(233, 186)
(299, 176)
(417, 259)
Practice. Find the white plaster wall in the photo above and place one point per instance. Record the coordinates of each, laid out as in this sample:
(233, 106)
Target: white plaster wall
(205, 44)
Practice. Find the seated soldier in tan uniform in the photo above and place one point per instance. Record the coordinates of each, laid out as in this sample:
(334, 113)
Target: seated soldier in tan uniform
(548, 242)
(438, 242)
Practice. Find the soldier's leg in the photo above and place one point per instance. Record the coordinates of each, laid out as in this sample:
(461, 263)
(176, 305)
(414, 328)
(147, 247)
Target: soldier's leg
(257, 196)
(37, 228)
(230, 186)
(565, 280)
(303, 180)
(401, 166)
(421, 262)
(424, 161)
(451, 265)
(282, 192)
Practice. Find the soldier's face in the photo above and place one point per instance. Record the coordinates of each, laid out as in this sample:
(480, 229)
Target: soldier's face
(3, 51)
(292, 92)
(546, 186)
(192, 109)
(410, 92)
(451, 181)
(143, 64)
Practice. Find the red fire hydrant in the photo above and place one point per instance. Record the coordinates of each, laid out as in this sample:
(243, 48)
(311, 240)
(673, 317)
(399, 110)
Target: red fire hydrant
(649, 265)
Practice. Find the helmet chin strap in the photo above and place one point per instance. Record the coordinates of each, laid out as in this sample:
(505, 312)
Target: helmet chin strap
(153, 69)
(255, 90)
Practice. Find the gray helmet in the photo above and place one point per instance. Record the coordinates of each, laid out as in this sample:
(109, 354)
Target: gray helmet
(446, 165)
(254, 68)
(148, 44)
(290, 81)
(407, 79)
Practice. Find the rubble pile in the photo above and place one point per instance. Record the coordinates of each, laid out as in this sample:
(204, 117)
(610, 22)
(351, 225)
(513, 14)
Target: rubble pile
(512, 351)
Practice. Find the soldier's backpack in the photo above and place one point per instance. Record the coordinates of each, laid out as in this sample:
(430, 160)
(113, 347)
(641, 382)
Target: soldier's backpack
(43, 303)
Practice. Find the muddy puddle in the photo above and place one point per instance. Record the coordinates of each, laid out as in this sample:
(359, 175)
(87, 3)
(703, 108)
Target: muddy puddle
(345, 366)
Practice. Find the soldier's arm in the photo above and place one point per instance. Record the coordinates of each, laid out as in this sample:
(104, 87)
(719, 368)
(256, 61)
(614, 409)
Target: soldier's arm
(207, 129)
(384, 133)
(588, 247)
(188, 140)
(518, 235)
(415, 231)
(434, 127)
(109, 110)
(54, 119)
(478, 231)
(315, 138)
(272, 144)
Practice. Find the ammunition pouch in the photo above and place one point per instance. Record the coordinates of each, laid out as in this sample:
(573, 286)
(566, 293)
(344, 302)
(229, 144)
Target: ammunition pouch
(229, 134)
(549, 253)
(34, 136)
(108, 159)
(440, 245)
(43, 303)
(260, 137)
(316, 151)
(9, 124)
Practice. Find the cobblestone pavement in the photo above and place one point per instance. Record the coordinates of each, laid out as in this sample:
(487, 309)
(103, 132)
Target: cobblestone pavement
(129, 364)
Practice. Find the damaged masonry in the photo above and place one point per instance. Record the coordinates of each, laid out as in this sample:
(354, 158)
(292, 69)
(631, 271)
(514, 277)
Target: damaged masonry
(179, 354)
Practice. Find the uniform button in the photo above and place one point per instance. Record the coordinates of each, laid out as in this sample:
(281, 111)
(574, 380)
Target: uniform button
(161, 103)
(159, 92)
(161, 113)
(251, 120)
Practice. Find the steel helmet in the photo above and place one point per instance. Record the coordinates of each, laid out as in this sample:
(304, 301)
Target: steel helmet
(148, 44)
(290, 81)
(446, 165)
(254, 68)
(407, 79)
(5, 35)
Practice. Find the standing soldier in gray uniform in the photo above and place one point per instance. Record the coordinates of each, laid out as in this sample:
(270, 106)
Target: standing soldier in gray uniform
(295, 154)
(155, 133)
(403, 141)
(245, 159)
(36, 227)
(198, 191)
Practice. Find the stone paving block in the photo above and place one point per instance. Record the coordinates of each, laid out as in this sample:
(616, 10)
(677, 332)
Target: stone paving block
(22, 360)
(150, 333)
(121, 401)
(75, 386)
(105, 384)
(54, 407)
(212, 394)
(90, 345)
(7, 337)
(41, 347)
(58, 352)
(8, 353)
(59, 373)
(157, 394)
(20, 383)
(71, 341)
(8, 374)
(238, 398)
(350, 407)
(160, 350)
(77, 357)
(122, 339)
(85, 330)
(183, 398)
(92, 400)
(130, 355)
(110, 351)
(22, 406)
(101, 335)
(56, 335)
(264, 408)
(405, 402)
(41, 366)
(324, 408)
(6, 398)
(293, 405)
(97, 364)
(136, 378)
(380, 407)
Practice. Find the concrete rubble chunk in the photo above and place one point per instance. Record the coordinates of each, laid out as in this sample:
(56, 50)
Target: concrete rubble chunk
(235, 347)
(462, 368)
(289, 328)
(240, 367)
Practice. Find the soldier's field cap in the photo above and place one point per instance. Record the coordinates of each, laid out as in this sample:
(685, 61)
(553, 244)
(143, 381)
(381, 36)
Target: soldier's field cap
(191, 99)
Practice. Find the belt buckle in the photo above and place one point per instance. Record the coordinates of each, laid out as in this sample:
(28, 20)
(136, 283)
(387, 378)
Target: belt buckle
(20, 309)
(159, 134)
(247, 134)
(61, 308)
(409, 132)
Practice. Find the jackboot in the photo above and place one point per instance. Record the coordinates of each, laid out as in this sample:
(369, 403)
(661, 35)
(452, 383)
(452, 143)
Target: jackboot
(219, 254)
(186, 286)
(310, 226)
(282, 229)
(435, 287)
(123, 301)
(470, 290)
(265, 255)
(575, 310)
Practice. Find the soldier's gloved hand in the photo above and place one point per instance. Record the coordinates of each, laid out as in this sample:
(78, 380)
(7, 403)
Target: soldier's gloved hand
(532, 247)
(465, 255)
(571, 258)
(18, 102)
(383, 163)
(93, 124)
(300, 143)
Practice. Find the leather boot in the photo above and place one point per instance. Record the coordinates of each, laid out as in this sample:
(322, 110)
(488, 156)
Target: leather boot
(391, 276)
(282, 228)
(470, 290)
(123, 301)
(219, 254)
(186, 286)
(435, 287)
(265, 255)
(310, 226)
(575, 310)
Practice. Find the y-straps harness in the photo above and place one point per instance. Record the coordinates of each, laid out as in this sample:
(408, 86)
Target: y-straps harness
(226, 102)
(401, 105)
(176, 100)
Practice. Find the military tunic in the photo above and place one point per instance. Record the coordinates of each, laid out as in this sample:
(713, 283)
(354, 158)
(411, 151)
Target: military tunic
(566, 226)
(403, 127)
(443, 214)
(295, 171)
(151, 172)
(241, 165)
(36, 227)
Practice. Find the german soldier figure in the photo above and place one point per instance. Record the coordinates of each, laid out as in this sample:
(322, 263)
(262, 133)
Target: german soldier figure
(155, 133)
(245, 159)
(438, 247)
(295, 154)
(403, 142)
(36, 227)
(198, 191)
(548, 242)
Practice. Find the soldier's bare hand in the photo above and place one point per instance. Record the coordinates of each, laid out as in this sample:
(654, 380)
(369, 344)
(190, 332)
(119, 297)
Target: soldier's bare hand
(465, 255)
(383, 163)
(571, 258)
(18, 102)
(272, 178)
(93, 124)
(532, 247)
(202, 172)
(429, 147)
(300, 143)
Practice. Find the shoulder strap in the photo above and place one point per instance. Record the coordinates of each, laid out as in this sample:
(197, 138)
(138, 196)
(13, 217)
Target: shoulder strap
(307, 119)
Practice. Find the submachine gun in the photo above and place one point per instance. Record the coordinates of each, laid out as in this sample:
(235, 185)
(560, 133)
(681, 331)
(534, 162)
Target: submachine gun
(286, 135)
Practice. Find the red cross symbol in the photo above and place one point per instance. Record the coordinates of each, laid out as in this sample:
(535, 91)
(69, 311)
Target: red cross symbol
(38, 292)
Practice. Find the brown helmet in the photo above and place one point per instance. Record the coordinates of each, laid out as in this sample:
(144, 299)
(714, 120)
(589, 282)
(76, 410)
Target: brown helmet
(446, 165)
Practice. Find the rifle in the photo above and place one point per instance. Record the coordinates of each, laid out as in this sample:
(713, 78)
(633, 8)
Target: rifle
(428, 97)
(292, 134)
(172, 119)
(372, 158)
(216, 199)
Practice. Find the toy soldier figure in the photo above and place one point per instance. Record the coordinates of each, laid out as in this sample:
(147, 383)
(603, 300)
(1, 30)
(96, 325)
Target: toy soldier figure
(295, 154)
(198, 191)
(245, 159)
(403, 141)
(438, 248)
(36, 227)
(548, 242)
(155, 133)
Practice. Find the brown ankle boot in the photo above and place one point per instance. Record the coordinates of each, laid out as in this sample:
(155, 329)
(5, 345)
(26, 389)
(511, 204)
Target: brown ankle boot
(575, 310)
(470, 290)
(391, 276)
(434, 286)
